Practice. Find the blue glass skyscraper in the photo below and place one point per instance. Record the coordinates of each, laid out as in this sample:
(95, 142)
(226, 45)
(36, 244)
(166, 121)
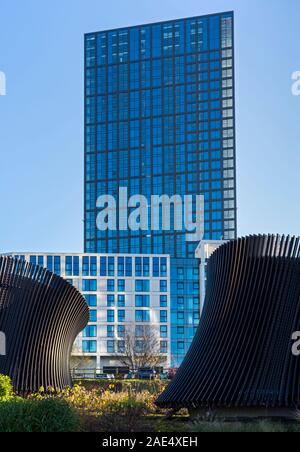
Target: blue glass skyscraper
(160, 119)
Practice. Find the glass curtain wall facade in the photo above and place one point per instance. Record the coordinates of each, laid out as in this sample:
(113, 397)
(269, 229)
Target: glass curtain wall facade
(159, 119)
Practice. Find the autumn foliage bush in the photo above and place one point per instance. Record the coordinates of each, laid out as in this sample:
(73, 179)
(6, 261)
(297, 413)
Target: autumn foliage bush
(115, 407)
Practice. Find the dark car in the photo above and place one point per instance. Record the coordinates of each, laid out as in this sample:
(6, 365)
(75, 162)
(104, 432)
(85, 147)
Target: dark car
(146, 374)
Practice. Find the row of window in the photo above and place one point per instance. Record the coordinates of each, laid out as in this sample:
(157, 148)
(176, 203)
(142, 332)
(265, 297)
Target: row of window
(103, 106)
(201, 34)
(167, 136)
(181, 317)
(182, 67)
(155, 166)
(180, 153)
(92, 330)
(106, 267)
(140, 300)
(141, 316)
(172, 129)
(112, 104)
(143, 285)
(119, 346)
(120, 330)
(122, 266)
(156, 244)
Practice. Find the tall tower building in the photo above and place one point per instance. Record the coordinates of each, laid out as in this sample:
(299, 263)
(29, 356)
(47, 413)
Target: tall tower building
(160, 119)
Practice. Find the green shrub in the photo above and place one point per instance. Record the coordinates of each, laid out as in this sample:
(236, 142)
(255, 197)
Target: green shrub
(153, 386)
(49, 415)
(6, 388)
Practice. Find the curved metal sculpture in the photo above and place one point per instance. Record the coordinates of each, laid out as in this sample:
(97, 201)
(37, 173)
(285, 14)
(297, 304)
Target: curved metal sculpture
(41, 314)
(241, 356)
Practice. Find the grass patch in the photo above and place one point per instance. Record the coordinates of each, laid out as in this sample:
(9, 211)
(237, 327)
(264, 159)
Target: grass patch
(240, 427)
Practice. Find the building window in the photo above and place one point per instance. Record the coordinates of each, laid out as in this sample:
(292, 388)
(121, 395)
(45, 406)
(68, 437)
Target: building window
(196, 316)
(180, 317)
(142, 316)
(128, 271)
(163, 301)
(163, 267)
(164, 347)
(93, 266)
(50, 263)
(141, 331)
(110, 285)
(180, 331)
(110, 301)
(89, 346)
(156, 267)
(57, 265)
(110, 331)
(163, 331)
(163, 285)
(121, 285)
(121, 346)
(121, 331)
(110, 346)
(111, 266)
(180, 272)
(69, 266)
(93, 315)
(146, 267)
(76, 266)
(89, 285)
(180, 301)
(85, 266)
(110, 316)
(196, 287)
(180, 347)
(196, 271)
(121, 267)
(142, 285)
(91, 300)
(142, 301)
(138, 266)
(90, 331)
(163, 316)
(139, 346)
(121, 316)
(103, 269)
(121, 301)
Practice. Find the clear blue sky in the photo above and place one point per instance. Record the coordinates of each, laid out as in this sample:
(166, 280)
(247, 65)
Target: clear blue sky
(41, 118)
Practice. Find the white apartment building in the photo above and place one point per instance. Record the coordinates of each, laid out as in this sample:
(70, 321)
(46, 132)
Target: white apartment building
(122, 291)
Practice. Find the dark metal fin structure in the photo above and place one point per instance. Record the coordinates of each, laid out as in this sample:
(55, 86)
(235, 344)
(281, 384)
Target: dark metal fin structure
(41, 315)
(241, 356)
